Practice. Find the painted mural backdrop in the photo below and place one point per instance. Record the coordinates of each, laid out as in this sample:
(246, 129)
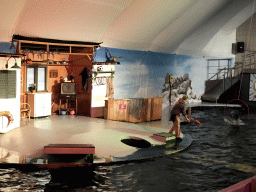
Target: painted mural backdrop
(252, 91)
(175, 88)
(143, 74)
(6, 47)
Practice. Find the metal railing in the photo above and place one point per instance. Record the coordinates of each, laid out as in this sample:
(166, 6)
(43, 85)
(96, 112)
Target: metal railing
(217, 74)
(235, 73)
(228, 73)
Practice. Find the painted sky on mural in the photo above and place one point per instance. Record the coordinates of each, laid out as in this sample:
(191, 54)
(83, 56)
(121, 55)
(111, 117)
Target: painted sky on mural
(6, 47)
(141, 74)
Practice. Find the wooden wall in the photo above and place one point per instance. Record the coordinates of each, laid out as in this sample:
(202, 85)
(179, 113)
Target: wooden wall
(75, 67)
(53, 85)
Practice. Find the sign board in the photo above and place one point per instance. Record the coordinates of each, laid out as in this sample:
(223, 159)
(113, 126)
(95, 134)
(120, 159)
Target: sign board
(122, 106)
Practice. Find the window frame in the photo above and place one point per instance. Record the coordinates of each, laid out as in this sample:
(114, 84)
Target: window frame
(36, 67)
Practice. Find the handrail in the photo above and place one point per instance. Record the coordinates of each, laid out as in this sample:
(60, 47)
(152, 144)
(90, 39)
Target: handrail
(216, 73)
(226, 75)
(237, 70)
(228, 70)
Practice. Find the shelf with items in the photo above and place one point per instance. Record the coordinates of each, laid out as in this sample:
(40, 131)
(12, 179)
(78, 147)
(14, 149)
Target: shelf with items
(50, 53)
(101, 77)
(81, 50)
(33, 46)
(95, 73)
(46, 63)
(53, 48)
(107, 63)
(11, 55)
(34, 64)
(59, 49)
(48, 46)
(68, 111)
(66, 108)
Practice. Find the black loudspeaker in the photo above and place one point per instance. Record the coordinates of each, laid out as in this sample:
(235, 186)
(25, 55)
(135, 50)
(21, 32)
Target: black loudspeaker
(68, 89)
(240, 47)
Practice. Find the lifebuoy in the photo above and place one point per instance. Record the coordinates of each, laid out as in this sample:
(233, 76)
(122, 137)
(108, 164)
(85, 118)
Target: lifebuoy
(8, 115)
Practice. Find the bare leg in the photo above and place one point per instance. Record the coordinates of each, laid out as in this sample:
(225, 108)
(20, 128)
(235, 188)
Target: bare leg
(175, 125)
(173, 128)
(177, 130)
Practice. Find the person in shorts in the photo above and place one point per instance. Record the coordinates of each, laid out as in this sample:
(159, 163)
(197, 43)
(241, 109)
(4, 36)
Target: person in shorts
(179, 107)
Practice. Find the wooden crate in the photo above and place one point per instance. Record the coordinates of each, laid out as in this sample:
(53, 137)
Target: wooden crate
(134, 110)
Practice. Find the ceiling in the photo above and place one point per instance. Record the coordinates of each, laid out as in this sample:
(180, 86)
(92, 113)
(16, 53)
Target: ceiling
(191, 27)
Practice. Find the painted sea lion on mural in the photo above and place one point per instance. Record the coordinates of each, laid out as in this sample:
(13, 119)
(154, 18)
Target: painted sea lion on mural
(8, 115)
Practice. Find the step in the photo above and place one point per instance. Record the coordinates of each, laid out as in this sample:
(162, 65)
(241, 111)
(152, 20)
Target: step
(69, 149)
(162, 136)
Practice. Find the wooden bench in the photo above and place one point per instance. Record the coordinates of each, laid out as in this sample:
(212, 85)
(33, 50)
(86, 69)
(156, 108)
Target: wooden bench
(69, 149)
(69, 153)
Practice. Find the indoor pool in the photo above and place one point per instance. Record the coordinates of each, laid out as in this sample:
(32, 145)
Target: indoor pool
(221, 155)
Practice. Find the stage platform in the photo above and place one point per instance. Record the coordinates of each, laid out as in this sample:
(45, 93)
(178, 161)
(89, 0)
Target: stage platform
(25, 146)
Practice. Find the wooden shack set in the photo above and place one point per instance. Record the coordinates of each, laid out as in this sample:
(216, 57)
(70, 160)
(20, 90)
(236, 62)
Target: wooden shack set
(47, 63)
(56, 59)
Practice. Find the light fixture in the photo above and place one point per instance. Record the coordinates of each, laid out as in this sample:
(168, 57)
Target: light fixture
(15, 66)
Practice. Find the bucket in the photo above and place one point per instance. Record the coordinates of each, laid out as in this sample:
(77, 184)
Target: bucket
(63, 112)
(72, 112)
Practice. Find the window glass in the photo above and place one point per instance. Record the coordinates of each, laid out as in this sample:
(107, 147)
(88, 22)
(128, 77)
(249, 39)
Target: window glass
(41, 79)
(30, 76)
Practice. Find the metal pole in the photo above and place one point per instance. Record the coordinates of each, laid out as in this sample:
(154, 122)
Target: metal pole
(208, 69)
(189, 112)
(218, 66)
(224, 79)
(230, 71)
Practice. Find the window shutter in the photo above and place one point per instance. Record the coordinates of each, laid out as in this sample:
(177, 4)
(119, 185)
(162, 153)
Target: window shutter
(7, 84)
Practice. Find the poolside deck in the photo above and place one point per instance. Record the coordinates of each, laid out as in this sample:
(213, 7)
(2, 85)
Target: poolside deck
(28, 141)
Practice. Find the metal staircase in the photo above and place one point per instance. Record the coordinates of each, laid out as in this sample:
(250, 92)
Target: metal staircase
(226, 77)
(215, 88)
(220, 82)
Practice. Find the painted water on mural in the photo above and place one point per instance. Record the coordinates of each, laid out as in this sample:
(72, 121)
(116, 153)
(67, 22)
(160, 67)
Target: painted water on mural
(220, 155)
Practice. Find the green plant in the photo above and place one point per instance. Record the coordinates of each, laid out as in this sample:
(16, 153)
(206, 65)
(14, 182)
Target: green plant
(32, 86)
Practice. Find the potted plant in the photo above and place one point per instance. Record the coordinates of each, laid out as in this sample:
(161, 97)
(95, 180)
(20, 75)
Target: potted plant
(32, 87)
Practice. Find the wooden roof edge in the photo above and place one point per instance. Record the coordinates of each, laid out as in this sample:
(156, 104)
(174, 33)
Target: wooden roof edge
(45, 40)
(11, 55)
